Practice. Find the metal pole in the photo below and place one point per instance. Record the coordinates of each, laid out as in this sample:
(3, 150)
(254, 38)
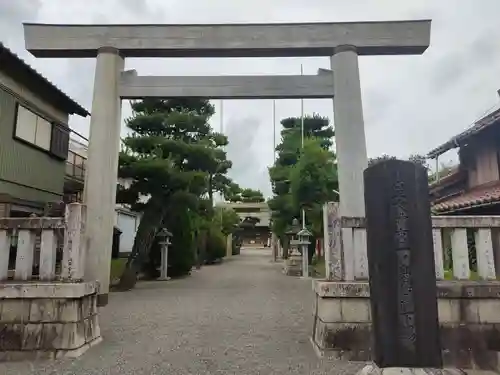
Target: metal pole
(221, 131)
(302, 111)
(274, 129)
(221, 116)
(273, 236)
(302, 139)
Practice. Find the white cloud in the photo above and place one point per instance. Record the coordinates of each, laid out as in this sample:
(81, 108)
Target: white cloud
(411, 103)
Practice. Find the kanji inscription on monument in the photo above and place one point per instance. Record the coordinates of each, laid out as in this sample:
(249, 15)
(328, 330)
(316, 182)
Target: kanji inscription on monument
(401, 266)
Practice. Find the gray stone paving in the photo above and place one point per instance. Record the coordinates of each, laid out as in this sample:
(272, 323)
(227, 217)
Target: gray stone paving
(241, 317)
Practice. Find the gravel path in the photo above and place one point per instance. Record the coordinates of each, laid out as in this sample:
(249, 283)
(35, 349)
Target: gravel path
(241, 317)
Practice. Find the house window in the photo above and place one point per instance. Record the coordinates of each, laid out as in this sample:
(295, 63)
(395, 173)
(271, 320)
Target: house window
(60, 141)
(43, 133)
(39, 132)
(33, 128)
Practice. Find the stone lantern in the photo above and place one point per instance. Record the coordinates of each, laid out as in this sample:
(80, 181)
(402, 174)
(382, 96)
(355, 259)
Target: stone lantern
(293, 264)
(164, 237)
(292, 235)
(303, 243)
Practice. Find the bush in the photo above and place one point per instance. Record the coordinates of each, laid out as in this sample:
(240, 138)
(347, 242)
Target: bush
(216, 246)
(236, 244)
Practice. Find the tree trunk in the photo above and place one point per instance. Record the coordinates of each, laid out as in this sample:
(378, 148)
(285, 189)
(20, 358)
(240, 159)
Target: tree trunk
(146, 233)
(210, 191)
(202, 250)
(285, 242)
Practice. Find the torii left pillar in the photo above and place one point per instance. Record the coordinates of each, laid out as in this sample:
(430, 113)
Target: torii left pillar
(102, 168)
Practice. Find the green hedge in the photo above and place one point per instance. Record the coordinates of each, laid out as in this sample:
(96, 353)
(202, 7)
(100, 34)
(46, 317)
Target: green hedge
(216, 246)
(181, 251)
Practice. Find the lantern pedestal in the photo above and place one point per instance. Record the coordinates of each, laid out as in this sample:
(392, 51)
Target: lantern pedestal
(303, 242)
(293, 265)
(164, 240)
(164, 264)
(293, 262)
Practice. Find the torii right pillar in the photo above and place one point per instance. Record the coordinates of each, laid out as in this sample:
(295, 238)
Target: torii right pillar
(351, 155)
(349, 131)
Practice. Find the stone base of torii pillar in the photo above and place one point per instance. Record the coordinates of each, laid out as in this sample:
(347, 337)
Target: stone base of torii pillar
(373, 369)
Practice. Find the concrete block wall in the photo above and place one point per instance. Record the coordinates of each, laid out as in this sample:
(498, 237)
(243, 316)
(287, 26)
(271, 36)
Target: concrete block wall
(45, 327)
(469, 316)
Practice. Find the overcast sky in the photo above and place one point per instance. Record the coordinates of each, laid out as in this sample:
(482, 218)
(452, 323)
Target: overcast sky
(411, 103)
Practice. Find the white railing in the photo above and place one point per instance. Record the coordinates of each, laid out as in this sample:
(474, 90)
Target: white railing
(450, 239)
(33, 244)
(346, 255)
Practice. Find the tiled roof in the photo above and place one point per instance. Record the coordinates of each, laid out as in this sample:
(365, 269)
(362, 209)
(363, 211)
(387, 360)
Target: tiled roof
(481, 195)
(23, 73)
(264, 217)
(478, 126)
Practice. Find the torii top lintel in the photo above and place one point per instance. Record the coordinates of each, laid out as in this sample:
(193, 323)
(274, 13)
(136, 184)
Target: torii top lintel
(229, 40)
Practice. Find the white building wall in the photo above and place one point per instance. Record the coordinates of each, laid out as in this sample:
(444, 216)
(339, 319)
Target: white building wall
(128, 222)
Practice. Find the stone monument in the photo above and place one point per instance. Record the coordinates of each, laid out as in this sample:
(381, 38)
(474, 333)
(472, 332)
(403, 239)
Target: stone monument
(401, 266)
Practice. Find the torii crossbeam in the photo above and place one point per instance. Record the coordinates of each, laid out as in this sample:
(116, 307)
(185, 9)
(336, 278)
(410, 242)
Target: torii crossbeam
(132, 86)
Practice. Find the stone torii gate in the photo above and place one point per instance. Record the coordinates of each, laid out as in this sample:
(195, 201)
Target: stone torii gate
(110, 44)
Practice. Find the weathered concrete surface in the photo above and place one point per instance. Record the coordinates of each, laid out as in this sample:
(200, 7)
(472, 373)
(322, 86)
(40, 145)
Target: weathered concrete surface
(42, 289)
(99, 193)
(230, 40)
(226, 87)
(468, 317)
(241, 317)
(373, 369)
(47, 321)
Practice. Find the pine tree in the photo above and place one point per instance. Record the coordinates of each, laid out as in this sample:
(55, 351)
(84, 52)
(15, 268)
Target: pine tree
(168, 161)
(302, 178)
